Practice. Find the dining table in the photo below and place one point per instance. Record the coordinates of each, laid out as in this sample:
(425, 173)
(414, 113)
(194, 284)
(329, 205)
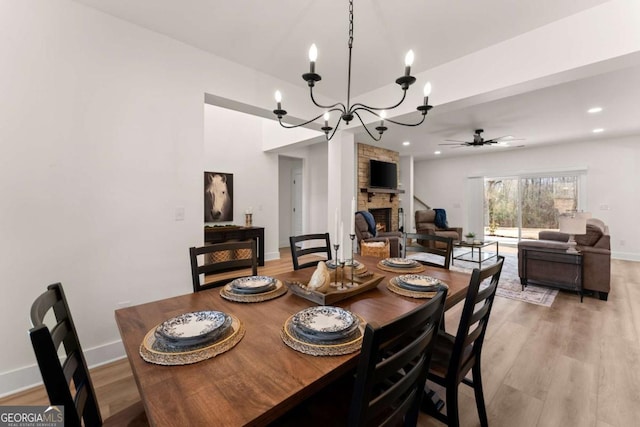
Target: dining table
(260, 378)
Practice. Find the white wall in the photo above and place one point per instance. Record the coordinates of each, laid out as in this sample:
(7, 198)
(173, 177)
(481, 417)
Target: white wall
(315, 186)
(101, 142)
(233, 144)
(613, 172)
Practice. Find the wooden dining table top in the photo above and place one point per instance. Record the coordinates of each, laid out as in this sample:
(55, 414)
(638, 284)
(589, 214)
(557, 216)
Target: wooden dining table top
(261, 378)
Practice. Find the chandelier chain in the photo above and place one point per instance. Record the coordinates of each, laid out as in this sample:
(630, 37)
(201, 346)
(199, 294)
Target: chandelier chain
(350, 24)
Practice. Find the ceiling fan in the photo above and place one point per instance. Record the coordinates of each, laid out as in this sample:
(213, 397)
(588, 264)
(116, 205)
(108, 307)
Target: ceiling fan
(479, 141)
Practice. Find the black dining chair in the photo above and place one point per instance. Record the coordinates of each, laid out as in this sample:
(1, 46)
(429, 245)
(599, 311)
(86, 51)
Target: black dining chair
(309, 244)
(218, 258)
(455, 356)
(68, 383)
(389, 379)
(439, 248)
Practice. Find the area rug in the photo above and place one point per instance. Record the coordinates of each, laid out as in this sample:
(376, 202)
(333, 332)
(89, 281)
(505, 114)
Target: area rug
(509, 284)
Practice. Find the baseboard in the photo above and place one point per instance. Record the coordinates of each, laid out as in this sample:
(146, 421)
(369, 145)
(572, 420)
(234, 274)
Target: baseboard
(270, 256)
(626, 256)
(27, 377)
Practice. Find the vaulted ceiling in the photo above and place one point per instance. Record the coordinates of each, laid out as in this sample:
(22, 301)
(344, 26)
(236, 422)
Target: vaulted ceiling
(274, 36)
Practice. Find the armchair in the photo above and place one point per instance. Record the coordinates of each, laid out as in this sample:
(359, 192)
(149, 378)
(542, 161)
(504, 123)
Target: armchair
(426, 224)
(365, 234)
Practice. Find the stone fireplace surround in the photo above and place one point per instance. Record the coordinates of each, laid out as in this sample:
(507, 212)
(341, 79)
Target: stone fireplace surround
(372, 201)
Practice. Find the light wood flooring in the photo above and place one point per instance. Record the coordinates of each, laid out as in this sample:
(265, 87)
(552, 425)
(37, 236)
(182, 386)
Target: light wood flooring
(571, 364)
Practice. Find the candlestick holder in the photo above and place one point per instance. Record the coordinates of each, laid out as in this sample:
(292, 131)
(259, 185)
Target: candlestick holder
(342, 285)
(353, 264)
(335, 248)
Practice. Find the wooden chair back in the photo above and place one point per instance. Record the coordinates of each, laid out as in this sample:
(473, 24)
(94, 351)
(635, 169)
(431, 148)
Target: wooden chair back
(68, 384)
(455, 356)
(299, 248)
(393, 367)
(443, 251)
(222, 258)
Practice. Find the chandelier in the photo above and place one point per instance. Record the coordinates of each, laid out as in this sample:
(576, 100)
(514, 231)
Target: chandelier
(348, 111)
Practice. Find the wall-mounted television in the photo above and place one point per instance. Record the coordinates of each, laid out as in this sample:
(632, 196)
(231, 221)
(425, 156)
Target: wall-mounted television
(383, 174)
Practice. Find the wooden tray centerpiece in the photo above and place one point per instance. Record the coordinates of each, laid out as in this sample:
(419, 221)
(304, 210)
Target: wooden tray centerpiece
(338, 292)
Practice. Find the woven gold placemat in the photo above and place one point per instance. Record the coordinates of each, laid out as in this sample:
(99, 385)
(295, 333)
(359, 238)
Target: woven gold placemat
(321, 349)
(417, 269)
(392, 285)
(228, 294)
(187, 357)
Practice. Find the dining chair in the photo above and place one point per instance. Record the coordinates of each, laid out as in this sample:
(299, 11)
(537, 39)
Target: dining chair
(68, 383)
(218, 258)
(309, 244)
(389, 379)
(440, 247)
(455, 356)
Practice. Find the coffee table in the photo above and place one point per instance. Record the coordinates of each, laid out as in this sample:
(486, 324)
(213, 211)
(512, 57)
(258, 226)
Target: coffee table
(478, 252)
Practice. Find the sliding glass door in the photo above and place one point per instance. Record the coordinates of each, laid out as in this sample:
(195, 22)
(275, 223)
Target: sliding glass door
(518, 207)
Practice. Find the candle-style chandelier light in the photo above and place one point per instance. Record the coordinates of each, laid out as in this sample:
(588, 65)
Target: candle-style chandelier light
(349, 111)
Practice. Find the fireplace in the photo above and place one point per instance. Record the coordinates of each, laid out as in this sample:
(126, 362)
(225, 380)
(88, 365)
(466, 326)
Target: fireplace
(382, 218)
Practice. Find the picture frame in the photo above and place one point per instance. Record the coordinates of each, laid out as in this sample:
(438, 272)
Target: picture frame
(218, 197)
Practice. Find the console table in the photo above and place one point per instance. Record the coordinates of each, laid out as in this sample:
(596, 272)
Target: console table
(225, 234)
(541, 260)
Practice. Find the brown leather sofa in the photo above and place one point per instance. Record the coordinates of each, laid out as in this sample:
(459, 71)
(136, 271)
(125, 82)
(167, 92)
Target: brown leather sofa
(595, 247)
(363, 234)
(425, 224)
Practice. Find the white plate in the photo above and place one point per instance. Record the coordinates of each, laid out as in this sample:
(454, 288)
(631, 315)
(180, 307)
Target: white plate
(325, 321)
(192, 327)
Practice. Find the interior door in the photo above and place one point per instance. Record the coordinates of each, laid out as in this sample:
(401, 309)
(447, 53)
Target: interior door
(296, 201)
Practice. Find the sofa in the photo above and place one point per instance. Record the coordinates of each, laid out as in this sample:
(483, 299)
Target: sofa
(366, 233)
(426, 224)
(595, 247)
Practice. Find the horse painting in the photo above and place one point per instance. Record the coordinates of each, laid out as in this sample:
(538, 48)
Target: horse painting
(218, 192)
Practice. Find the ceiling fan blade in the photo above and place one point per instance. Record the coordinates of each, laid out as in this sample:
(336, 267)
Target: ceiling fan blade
(460, 144)
(455, 140)
(504, 139)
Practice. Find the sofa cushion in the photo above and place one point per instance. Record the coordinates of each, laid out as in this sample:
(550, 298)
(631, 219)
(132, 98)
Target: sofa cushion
(594, 233)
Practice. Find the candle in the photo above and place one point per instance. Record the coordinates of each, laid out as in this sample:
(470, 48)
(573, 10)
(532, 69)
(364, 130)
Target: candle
(336, 228)
(340, 239)
(352, 230)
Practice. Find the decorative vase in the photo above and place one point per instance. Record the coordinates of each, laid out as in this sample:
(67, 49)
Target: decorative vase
(470, 240)
(248, 220)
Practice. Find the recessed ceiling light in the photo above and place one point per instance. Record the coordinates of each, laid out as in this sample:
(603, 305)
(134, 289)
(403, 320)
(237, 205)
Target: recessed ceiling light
(436, 152)
(597, 130)
(594, 110)
(406, 143)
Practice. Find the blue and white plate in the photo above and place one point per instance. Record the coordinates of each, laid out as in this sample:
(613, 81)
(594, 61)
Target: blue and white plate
(400, 262)
(193, 329)
(253, 284)
(325, 323)
(418, 283)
